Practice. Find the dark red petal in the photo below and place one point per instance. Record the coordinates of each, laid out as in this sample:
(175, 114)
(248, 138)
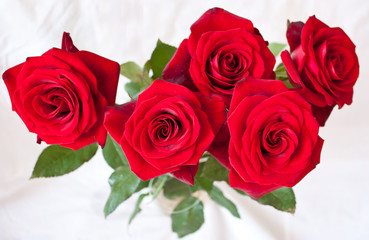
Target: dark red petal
(139, 166)
(176, 70)
(216, 19)
(314, 160)
(67, 43)
(186, 174)
(311, 27)
(321, 113)
(253, 189)
(163, 88)
(80, 143)
(215, 111)
(291, 69)
(116, 118)
(252, 86)
(268, 58)
(219, 147)
(10, 80)
(106, 72)
(293, 34)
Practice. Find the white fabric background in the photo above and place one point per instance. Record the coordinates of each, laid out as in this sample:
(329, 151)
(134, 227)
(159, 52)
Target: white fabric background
(332, 201)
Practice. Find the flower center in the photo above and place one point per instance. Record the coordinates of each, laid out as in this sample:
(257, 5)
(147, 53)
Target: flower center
(278, 143)
(164, 128)
(54, 104)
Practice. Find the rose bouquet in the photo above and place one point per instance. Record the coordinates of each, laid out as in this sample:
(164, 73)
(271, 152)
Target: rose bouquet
(215, 109)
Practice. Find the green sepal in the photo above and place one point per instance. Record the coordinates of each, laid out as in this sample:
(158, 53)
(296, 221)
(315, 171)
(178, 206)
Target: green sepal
(57, 161)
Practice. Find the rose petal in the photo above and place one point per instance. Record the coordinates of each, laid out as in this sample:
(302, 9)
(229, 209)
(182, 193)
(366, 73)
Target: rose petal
(10, 80)
(253, 189)
(116, 118)
(214, 109)
(106, 72)
(322, 113)
(176, 71)
(219, 146)
(139, 166)
(186, 174)
(291, 69)
(216, 19)
(252, 86)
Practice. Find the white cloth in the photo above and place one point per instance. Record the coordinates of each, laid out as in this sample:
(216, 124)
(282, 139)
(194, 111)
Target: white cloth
(332, 201)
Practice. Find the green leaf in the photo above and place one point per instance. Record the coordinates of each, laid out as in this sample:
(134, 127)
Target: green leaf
(123, 183)
(160, 58)
(159, 185)
(132, 71)
(281, 74)
(137, 209)
(282, 199)
(140, 79)
(218, 197)
(56, 160)
(133, 89)
(276, 48)
(240, 192)
(142, 185)
(146, 80)
(187, 217)
(147, 68)
(113, 154)
(214, 170)
(174, 189)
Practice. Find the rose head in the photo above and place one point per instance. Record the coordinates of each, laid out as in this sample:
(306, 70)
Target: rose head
(274, 138)
(166, 131)
(62, 94)
(222, 49)
(323, 65)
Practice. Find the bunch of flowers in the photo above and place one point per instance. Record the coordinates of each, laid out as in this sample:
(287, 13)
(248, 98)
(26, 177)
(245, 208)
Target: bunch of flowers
(215, 109)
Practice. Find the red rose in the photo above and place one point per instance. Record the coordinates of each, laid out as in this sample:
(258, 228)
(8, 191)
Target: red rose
(323, 65)
(166, 131)
(62, 94)
(222, 49)
(274, 137)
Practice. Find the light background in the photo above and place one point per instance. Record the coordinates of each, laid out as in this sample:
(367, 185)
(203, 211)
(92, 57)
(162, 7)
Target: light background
(332, 201)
